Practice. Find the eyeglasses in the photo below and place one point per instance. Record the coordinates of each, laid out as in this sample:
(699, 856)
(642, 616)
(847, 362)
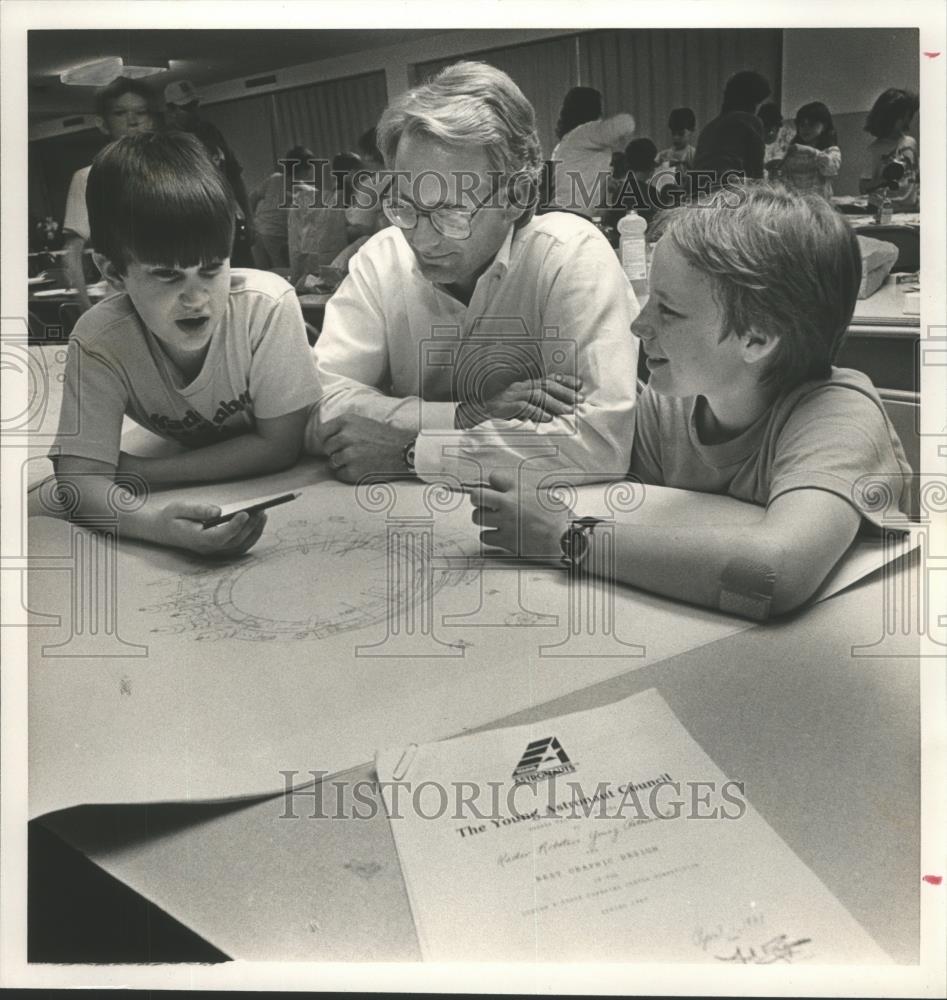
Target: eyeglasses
(454, 223)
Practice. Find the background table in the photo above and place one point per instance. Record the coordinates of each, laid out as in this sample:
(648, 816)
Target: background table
(52, 317)
(883, 340)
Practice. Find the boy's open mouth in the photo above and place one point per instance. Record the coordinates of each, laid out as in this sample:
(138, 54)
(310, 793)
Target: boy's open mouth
(192, 324)
(653, 363)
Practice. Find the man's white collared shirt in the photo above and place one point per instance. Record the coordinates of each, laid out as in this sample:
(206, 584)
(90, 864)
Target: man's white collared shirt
(398, 348)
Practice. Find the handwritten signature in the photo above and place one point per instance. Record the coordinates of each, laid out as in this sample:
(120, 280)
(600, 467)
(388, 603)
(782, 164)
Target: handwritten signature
(777, 949)
(611, 834)
(703, 936)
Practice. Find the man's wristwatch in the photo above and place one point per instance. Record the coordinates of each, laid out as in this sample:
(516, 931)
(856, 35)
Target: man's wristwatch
(408, 456)
(575, 540)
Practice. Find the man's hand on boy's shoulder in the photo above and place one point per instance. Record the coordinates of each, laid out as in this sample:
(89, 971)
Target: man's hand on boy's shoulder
(180, 524)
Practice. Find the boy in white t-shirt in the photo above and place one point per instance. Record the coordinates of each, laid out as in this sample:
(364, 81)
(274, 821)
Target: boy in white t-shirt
(750, 298)
(217, 360)
(680, 154)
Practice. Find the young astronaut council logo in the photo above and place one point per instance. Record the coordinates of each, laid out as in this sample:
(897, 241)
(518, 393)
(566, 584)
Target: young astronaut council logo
(543, 758)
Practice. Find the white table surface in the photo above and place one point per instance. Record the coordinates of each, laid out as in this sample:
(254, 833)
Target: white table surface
(826, 742)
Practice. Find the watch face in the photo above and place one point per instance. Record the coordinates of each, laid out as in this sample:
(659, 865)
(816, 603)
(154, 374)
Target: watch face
(574, 543)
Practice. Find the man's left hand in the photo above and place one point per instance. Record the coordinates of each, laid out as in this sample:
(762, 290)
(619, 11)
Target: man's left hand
(358, 447)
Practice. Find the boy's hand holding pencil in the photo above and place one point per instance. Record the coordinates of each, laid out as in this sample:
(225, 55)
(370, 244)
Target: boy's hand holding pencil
(181, 524)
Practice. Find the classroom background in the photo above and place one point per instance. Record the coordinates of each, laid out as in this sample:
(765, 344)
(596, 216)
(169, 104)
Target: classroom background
(269, 90)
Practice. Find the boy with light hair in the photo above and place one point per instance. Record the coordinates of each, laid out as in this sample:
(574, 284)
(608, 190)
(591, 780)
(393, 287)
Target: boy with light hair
(748, 307)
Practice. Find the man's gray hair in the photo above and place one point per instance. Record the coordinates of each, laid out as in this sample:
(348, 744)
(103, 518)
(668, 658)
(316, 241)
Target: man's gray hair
(468, 104)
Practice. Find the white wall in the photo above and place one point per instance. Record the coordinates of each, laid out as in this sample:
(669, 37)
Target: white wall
(846, 73)
(395, 60)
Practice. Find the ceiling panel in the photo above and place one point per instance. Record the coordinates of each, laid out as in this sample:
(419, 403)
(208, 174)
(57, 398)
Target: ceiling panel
(203, 56)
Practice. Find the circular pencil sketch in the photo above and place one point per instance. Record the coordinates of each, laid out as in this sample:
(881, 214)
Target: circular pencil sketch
(314, 582)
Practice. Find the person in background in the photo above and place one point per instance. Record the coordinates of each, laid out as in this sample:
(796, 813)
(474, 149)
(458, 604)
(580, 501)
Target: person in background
(346, 167)
(777, 134)
(748, 307)
(813, 157)
(367, 146)
(582, 158)
(363, 214)
(888, 121)
(270, 202)
(636, 188)
(181, 109)
(121, 108)
(732, 144)
(317, 228)
(680, 154)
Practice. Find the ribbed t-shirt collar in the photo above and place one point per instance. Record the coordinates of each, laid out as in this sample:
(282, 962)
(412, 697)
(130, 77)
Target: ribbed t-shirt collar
(732, 452)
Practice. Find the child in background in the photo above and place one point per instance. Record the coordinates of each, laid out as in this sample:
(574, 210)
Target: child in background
(318, 229)
(123, 107)
(777, 134)
(731, 145)
(270, 203)
(888, 121)
(363, 214)
(582, 157)
(632, 185)
(641, 157)
(813, 157)
(680, 154)
(748, 305)
(213, 359)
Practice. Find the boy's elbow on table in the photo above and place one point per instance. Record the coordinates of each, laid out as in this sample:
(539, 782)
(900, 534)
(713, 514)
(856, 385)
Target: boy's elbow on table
(764, 578)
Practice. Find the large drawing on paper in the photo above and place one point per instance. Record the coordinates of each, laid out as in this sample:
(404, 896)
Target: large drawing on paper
(358, 621)
(251, 600)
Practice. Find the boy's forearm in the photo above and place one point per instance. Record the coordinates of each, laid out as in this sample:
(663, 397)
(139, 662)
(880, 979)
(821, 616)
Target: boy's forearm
(98, 501)
(245, 455)
(732, 569)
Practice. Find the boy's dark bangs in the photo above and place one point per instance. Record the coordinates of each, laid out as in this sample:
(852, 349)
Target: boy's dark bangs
(187, 229)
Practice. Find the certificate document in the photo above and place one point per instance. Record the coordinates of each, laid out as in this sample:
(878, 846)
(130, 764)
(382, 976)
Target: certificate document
(606, 835)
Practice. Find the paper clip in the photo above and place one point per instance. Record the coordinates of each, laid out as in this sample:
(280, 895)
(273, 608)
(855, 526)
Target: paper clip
(404, 764)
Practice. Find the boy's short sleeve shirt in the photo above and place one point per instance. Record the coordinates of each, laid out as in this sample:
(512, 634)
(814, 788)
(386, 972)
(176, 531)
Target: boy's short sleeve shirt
(259, 365)
(683, 157)
(831, 435)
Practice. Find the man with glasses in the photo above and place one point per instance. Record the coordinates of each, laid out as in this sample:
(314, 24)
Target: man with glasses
(470, 335)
